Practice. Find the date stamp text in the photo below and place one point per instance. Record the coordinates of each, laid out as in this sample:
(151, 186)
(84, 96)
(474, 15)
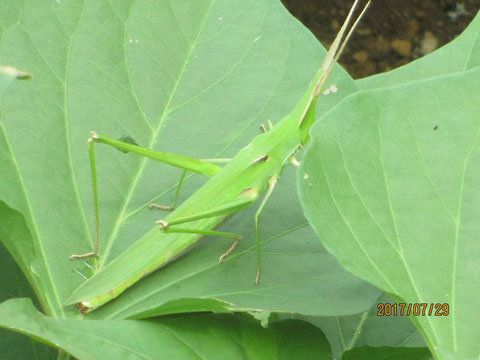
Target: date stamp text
(415, 309)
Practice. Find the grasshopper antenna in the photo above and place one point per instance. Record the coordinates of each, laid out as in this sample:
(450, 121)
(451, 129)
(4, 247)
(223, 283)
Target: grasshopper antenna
(338, 45)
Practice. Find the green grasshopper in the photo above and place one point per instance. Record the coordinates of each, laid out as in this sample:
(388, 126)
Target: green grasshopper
(255, 169)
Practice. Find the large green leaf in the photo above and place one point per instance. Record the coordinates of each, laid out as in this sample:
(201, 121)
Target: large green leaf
(13, 284)
(188, 337)
(191, 78)
(390, 185)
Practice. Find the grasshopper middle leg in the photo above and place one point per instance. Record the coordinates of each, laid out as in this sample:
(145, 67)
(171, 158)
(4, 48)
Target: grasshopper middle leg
(221, 210)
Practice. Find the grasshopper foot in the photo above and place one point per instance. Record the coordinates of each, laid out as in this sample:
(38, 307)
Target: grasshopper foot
(257, 277)
(294, 161)
(264, 128)
(163, 225)
(84, 256)
(160, 207)
(229, 251)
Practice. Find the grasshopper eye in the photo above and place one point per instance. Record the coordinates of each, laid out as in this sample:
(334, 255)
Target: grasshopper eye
(129, 140)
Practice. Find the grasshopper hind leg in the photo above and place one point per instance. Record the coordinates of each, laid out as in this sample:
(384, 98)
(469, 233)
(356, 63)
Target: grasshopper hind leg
(93, 170)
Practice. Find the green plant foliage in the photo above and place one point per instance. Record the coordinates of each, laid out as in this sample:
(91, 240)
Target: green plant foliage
(13, 284)
(387, 353)
(189, 337)
(390, 185)
(190, 78)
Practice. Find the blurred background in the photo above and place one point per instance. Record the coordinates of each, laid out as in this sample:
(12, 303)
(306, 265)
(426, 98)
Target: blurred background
(392, 33)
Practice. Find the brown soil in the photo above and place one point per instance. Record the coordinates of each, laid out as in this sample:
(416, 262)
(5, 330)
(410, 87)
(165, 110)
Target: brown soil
(392, 33)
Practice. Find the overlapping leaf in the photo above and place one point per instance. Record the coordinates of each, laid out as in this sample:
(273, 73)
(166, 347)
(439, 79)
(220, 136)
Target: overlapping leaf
(390, 185)
(190, 337)
(13, 284)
